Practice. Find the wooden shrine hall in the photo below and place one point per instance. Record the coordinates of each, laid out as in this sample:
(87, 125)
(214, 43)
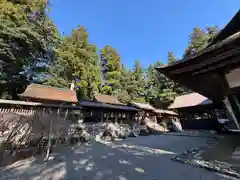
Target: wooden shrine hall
(214, 72)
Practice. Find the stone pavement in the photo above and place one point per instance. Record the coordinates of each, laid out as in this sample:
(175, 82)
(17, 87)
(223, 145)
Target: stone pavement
(141, 158)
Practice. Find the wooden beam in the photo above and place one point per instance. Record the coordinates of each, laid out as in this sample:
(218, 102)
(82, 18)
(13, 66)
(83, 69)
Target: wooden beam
(218, 66)
(207, 61)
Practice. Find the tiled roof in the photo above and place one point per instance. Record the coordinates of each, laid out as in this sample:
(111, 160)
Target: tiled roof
(143, 106)
(106, 105)
(107, 99)
(37, 91)
(189, 100)
(161, 111)
(146, 106)
(37, 104)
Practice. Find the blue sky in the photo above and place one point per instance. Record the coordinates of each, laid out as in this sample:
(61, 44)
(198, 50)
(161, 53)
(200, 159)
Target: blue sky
(141, 29)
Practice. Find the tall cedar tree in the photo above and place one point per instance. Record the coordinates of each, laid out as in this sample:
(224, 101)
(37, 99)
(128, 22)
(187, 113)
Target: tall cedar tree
(123, 95)
(77, 61)
(110, 68)
(171, 58)
(199, 39)
(138, 83)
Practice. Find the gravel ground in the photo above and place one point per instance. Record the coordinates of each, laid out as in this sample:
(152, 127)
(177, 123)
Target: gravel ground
(141, 158)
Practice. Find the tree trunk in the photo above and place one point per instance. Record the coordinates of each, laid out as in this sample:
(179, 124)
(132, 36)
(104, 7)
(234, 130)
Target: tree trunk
(49, 140)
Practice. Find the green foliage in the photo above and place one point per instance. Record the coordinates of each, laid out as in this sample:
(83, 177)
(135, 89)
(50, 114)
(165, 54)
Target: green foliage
(212, 31)
(76, 59)
(158, 86)
(137, 91)
(31, 48)
(26, 38)
(110, 67)
(171, 58)
(199, 39)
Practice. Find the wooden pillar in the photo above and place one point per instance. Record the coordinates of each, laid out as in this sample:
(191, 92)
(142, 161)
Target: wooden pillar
(117, 116)
(230, 107)
(121, 121)
(131, 117)
(66, 114)
(43, 112)
(101, 116)
(58, 111)
(107, 116)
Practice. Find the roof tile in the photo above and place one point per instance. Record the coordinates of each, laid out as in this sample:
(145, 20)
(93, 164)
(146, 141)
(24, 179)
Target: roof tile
(143, 106)
(107, 99)
(37, 91)
(189, 100)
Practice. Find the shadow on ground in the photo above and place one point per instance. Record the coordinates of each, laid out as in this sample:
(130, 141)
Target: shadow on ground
(225, 151)
(143, 158)
(87, 162)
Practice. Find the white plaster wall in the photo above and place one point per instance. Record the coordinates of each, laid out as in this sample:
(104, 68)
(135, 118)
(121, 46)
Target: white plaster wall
(233, 78)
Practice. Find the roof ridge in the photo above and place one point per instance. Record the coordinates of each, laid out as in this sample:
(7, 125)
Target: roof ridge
(110, 99)
(140, 103)
(190, 94)
(47, 86)
(105, 95)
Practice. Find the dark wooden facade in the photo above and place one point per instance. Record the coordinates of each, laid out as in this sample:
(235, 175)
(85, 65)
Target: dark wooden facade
(201, 117)
(101, 112)
(206, 72)
(101, 108)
